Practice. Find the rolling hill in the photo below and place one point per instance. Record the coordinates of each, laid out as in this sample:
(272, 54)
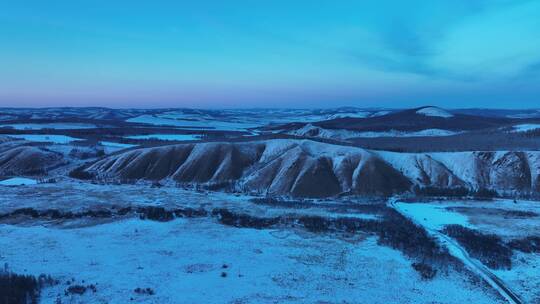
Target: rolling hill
(304, 168)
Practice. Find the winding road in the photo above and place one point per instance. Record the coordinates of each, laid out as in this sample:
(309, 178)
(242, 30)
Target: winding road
(459, 252)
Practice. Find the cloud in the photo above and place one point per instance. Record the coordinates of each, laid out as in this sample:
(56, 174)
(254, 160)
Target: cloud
(458, 41)
(498, 43)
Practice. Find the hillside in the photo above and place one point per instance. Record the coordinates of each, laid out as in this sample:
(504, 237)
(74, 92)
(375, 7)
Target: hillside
(306, 168)
(418, 119)
(18, 157)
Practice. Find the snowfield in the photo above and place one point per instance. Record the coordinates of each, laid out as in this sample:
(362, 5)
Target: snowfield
(293, 215)
(504, 218)
(242, 120)
(116, 145)
(183, 262)
(526, 127)
(171, 137)
(194, 124)
(431, 216)
(18, 181)
(57, 126)
(56, 139)
(310, 130)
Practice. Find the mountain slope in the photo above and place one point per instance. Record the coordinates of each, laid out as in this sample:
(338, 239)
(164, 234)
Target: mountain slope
(417, 119)
(18, 157)
(306, 168)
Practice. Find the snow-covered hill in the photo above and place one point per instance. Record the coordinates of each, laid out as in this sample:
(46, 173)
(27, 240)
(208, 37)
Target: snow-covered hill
(434, 112)
(310, 130)
(20, 158)
(307, 168)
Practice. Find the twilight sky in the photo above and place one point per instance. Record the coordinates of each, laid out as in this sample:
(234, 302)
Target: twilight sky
(247, 53)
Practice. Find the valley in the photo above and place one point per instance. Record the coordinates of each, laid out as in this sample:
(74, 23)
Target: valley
(184, 206)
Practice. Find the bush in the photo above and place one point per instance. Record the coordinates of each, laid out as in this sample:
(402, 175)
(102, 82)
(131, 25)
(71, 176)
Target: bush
(76, 289)
(156, 214)
(485, 194)
(426, 271)
(270, 201)
(399, 232)
(437, 191)
(315, 223)
(529, 244)
(488, 248)
(144, 291)
(80, 289)
(190, 212)
(23, 289)
(79, 173)
(229, 218)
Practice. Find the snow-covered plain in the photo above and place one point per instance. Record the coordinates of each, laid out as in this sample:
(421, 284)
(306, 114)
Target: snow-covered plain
(433, 216)
(183, 262)
(41, 126)
(504, 218)
(526, 127)
(201, 124)
(170, 137)
(243, 120)
(116, 145)
(18, 181)
(56, 139)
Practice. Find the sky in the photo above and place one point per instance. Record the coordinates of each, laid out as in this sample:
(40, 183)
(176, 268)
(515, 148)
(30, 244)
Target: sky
(299, 53)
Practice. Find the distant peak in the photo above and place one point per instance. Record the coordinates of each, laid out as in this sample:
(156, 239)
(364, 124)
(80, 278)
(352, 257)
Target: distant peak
(434, 111)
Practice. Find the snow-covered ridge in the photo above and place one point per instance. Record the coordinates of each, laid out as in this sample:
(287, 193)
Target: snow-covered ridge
(309, 130)
(435, 112)
(300, 167)
(525, 127)
(19, 158)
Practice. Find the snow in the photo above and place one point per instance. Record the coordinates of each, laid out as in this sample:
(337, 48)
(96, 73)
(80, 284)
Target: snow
(523, 277)
(434, 112)
(7, 117)
(18, 181)
(308, 129)
(380, 113)
(194, 124)
(116, 145)
(396, 133)
(179, 137)
(41, 126)
(182, 262)
(432, 216)
(57, 139)
(242, 120)
(488, 217)
(349, 115)
(462, 164)
(111, 147)
(534, 114)
(526, 127)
